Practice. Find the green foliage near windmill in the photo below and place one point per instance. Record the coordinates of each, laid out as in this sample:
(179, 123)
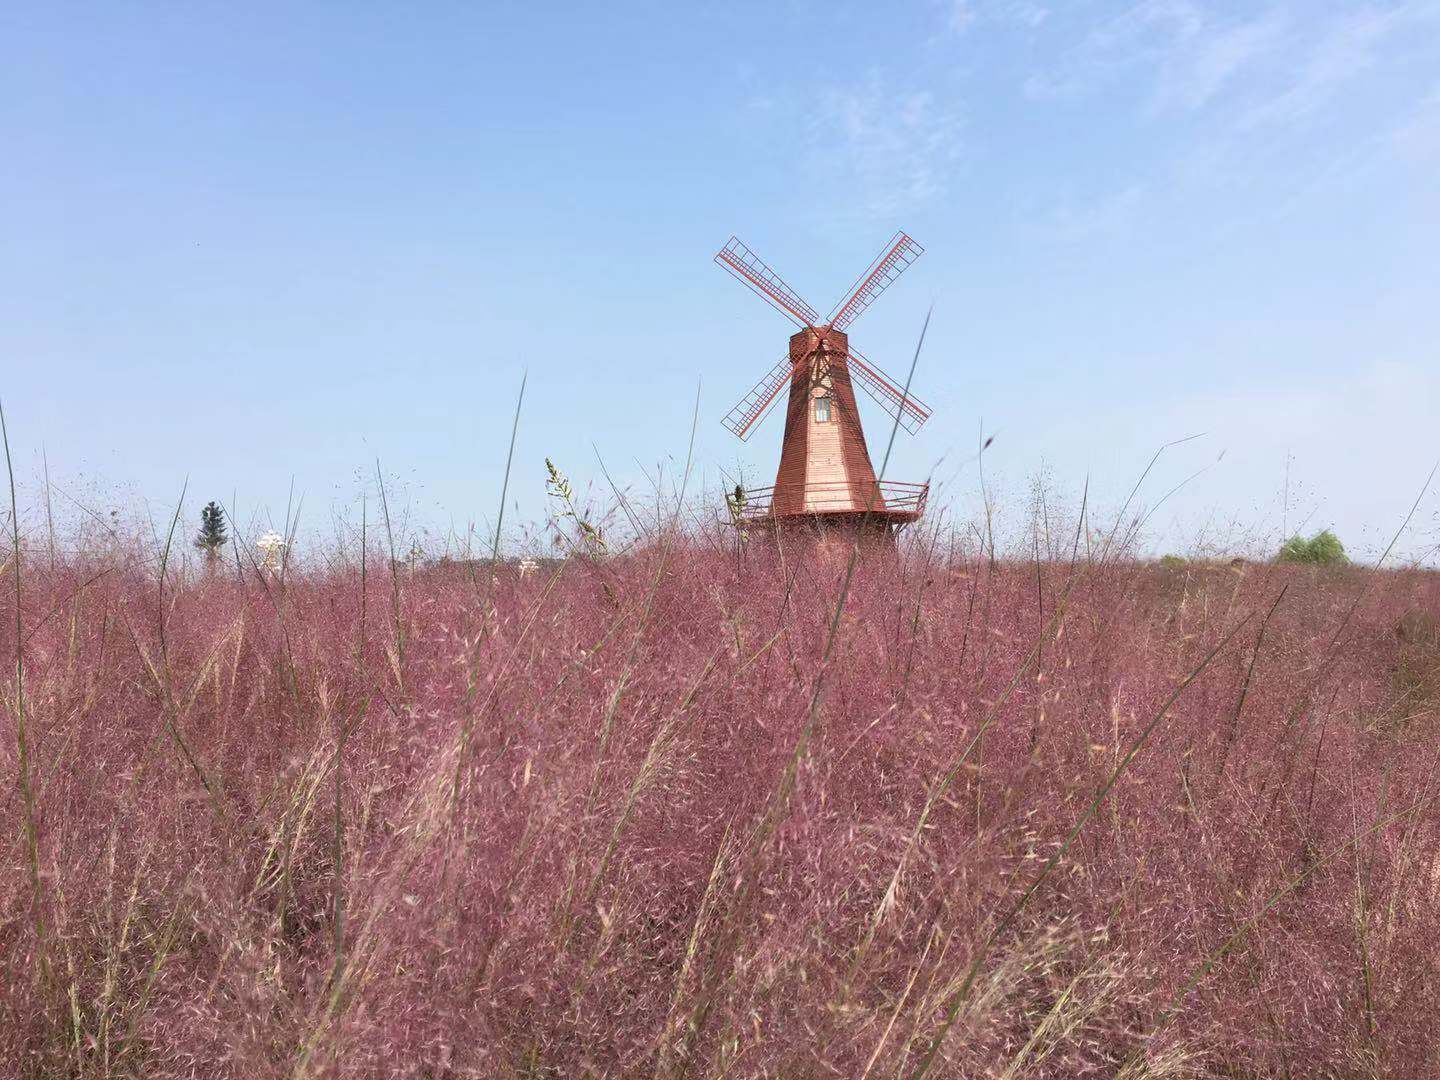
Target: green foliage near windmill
(1322, 549)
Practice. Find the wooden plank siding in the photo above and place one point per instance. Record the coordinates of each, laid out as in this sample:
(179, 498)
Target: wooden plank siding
(824, 465)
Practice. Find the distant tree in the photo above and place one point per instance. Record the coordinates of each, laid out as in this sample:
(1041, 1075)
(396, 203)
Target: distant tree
(211, 537)
(1322, 549)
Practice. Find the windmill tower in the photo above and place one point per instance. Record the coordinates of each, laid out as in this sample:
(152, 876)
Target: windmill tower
(825, 477)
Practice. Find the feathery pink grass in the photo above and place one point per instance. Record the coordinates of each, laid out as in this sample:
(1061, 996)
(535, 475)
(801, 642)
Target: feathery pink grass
(549, 846)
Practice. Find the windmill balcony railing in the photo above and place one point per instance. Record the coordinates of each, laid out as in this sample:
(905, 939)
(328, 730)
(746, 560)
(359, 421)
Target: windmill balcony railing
(891, 498)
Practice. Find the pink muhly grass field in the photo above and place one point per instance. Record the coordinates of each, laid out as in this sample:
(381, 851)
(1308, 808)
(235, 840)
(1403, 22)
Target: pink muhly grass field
(621, 818)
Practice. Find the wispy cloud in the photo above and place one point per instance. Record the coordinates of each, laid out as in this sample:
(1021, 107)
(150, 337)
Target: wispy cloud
(1276, 64)
(1209, 58)
(1092, 54)
(1181, 19)
(1231, 101)
(897, 146)
(1234, 86)
(1190, 53)
(1342, 50)
(962, 15)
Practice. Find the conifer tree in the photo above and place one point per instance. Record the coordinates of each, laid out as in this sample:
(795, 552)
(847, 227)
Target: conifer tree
(211, 537)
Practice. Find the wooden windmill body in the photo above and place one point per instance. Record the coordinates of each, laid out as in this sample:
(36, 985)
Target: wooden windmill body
(825, 479)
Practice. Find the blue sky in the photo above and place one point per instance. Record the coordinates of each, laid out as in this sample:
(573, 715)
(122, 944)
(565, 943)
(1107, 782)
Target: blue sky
(254, 244)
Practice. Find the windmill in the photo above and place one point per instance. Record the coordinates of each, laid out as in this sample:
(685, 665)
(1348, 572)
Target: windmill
(825, 475)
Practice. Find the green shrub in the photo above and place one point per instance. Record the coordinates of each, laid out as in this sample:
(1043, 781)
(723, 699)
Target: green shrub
(1173, 562)
(1322, 549)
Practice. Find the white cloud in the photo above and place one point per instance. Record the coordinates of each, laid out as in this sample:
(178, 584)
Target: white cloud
(962, 15)
(898, 146)
(1346, 47)
(1279, 63)
(1178, 18)
(1210, 59)
(1143, 34)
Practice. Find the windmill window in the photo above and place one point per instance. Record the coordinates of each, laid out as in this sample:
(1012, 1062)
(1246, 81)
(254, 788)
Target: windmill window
(822, 409)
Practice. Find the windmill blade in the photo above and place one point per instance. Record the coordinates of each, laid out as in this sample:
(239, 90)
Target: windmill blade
(899, 253)
(751, 270)
(909, 410)
(754, 406)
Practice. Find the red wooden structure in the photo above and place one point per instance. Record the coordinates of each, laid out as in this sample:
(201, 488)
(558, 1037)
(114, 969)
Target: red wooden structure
(825, 476)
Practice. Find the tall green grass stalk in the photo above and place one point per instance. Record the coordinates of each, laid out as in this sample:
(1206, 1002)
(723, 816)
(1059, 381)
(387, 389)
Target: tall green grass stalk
(22, 742)
(500, 512)
(398, 629)
(472, 657)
